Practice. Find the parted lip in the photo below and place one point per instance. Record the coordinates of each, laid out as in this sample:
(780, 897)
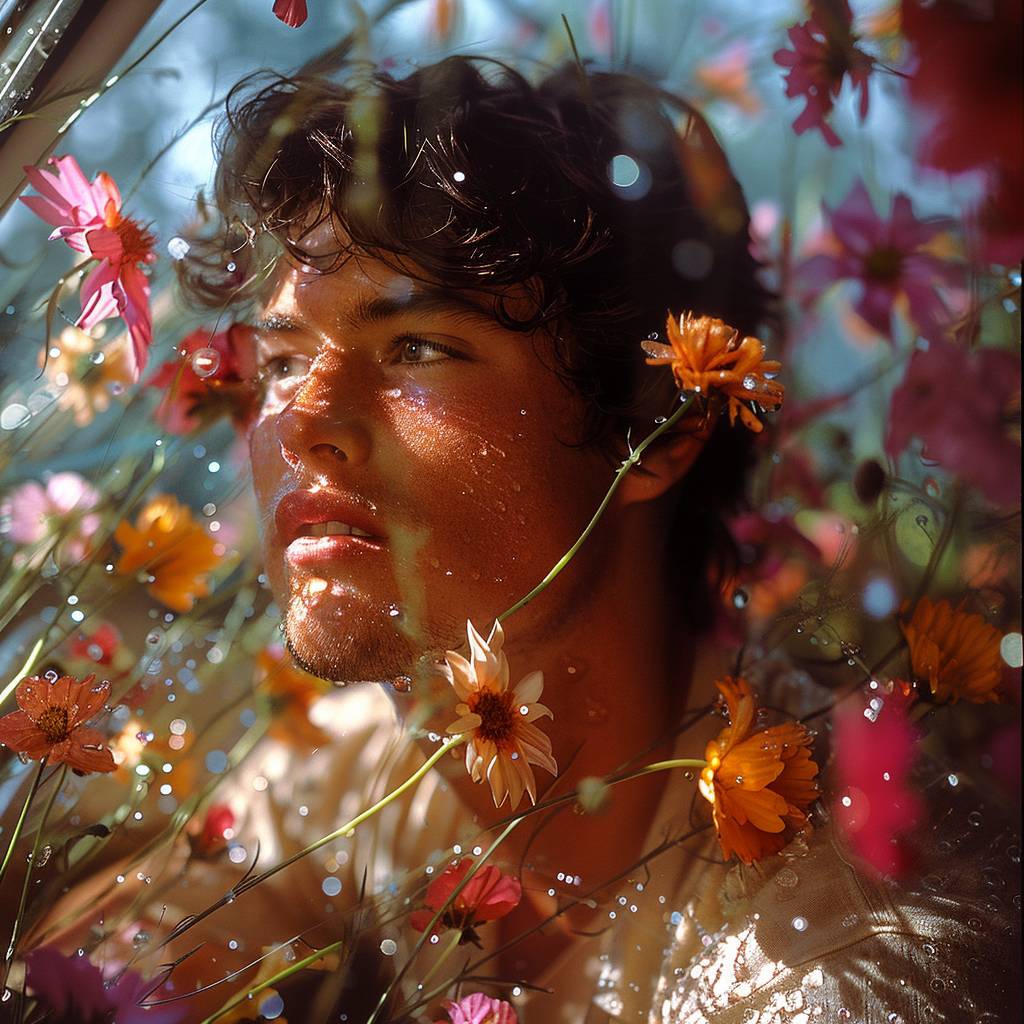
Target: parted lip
(299, 509)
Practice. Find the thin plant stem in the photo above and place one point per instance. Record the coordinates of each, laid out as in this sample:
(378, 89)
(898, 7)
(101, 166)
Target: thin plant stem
(19, 675)
(627, 465)
(16, 834)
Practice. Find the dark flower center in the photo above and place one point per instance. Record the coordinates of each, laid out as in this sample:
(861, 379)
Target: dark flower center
(497, 720)
(136, 241)
(53, 723)
(883, 263)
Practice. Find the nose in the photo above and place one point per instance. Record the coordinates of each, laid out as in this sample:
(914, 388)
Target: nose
(320, 430)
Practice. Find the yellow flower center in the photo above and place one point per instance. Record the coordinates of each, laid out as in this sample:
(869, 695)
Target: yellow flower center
(53, 723)
(496, 719)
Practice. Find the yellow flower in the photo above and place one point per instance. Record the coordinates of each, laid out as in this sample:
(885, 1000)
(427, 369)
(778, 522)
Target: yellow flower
(759, 783)
(502, 741)
(955, 651)
(174, 551)
(291, 693)
(708, 356)
(86, 375)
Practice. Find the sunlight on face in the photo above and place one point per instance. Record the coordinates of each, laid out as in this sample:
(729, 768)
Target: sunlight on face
(413, 467)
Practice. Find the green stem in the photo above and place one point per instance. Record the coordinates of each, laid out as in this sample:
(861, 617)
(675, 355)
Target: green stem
(627, 465)
(18, 676)
(15, 835)
(280, 976)
(18, 918)
(453, 944)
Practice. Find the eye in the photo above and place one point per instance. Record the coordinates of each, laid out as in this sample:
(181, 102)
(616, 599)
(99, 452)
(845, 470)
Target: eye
(422, 352)
(283, 368)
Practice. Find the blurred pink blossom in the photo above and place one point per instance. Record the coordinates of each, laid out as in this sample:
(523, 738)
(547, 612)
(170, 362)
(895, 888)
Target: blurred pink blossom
(823, 54)
(889, 259)
(874, 750)
(35, 513)
(88, 217)
(961, 403)
(480, 1009)
(292, 12)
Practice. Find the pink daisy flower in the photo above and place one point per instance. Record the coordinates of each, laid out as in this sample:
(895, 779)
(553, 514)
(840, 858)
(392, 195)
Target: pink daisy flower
(88, 217)
(889, 260)
(480, 1009)
(33, 513)
(823, 54)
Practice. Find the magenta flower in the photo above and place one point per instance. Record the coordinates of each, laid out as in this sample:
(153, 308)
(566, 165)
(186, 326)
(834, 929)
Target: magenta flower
(292, 12)
(823, 54)
(875, 748)
(480, 1009)
(73, 988)
(32, 513)
(962, 404)
(887, 257)
(88, 217)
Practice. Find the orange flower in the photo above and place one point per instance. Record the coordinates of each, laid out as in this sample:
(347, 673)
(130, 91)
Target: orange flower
(955, 651)
(502, 742)
(174, 551)
(291, 693)
(51, 723)
(758, 783)
(707, 355)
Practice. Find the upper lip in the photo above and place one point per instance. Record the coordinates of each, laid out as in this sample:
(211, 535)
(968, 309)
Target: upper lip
(299, 509)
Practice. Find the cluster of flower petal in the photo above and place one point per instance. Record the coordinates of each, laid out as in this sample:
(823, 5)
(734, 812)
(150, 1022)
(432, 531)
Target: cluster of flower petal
(890, 258)
(487, 896)
(88, 217)
(955, 652)
(86, 377)
(480, 1009)
(824, 53)
(174, 551)
(760, 783)
(51, 721)
(72, 988)
(61, 511)
(503, 742)
(708, 356)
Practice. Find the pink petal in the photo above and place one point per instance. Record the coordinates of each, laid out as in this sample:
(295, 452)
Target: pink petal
(28, 507)
(46, 210)
(70, 492)
(855, 222)
(99, 299)
(137, 316)
(875, 307)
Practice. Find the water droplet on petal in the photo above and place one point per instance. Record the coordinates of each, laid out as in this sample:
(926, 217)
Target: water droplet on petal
(205, 362)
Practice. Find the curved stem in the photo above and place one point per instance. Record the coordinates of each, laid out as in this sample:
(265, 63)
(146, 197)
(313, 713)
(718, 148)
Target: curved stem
(627, 465)
(16, 834)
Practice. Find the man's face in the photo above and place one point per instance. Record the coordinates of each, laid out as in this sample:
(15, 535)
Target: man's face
(413, 468)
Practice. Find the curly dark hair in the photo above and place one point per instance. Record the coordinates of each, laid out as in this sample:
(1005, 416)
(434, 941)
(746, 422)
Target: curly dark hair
(605, 197)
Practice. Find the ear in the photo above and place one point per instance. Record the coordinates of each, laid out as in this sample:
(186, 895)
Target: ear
(665, 462)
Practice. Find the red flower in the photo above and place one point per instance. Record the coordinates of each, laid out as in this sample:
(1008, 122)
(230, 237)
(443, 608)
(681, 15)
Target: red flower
(487, 896)
(212, 375)
(480, 1009)
(823, 54)
(88, 217)
(875, 748)
(889, 260)
(51, 723)
(292, 12)
(99, 646)
(962, 403)
(212, 836)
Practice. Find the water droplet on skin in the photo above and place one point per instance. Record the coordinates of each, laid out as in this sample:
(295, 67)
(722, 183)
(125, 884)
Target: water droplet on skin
(401, 684)
(205, 362)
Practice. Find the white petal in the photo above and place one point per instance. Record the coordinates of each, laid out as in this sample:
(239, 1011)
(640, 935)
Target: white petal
(467, 723)
(529, 688)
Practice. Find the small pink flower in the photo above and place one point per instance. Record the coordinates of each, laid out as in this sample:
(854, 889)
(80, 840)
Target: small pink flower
(480, 1009)
(875, 748)
(823, 54)
(88, 217)
(292, 12)
(64, 506)
(212, 375)
(488, 895)
(962, 404)
(889, 260)
(212, 836)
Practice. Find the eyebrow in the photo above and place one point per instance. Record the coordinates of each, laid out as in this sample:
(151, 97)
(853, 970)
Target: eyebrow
(381, 307)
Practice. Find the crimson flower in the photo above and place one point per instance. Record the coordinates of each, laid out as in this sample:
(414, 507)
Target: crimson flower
(212, 375)
(211, 837)
(88, 217)
(51, 723)
(100, 646)
(889, 260)
(292, 12)
(874, 749)
(824, 53)
(965, 405)
(488, 895)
